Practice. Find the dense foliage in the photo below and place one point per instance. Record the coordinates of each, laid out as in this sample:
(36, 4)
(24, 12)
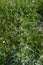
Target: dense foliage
(21, 35)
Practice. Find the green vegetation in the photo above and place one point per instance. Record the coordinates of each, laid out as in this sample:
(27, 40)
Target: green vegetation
(21, 38)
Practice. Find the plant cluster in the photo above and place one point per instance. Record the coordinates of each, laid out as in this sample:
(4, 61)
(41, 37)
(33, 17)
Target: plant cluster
(20, 36)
